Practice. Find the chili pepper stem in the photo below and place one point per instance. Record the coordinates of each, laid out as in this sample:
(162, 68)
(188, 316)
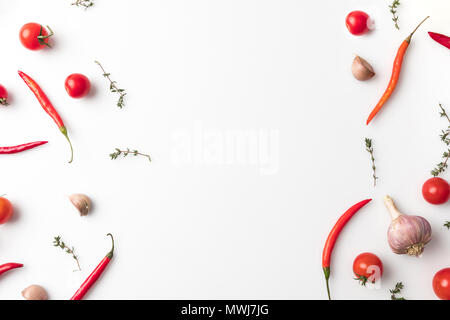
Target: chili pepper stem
(326, 271)
(412, 33)
(64, 132)
(111, 253)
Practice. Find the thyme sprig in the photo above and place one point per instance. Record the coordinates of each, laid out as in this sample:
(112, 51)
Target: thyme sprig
(113, 87)
(83, 3)
(397, 290)
(447, 224)
(445, 137)
(369, 149)
(70, 250)
(393, 8)
(127, 152)
(3, 102)
(41, 38)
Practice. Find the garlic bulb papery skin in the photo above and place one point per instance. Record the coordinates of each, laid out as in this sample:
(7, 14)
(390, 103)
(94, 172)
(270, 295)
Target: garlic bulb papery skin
(81, 202)
(407, 234)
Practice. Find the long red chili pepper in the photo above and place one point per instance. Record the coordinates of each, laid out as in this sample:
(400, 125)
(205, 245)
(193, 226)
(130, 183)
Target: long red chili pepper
(47, 106)
(95, 274)
(9, 266)
(332, 237)
(440, 38)
(22, 147)
(395, 74)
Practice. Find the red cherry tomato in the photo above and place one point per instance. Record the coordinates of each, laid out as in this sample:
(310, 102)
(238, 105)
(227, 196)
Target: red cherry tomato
(357, 22)
(34, 36)
(441, 284)
(3, 95)
(436, 190)
(367, 267)
(77, 85)
(6, 210)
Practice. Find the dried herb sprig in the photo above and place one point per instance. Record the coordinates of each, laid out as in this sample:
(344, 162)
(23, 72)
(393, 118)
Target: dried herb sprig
(447, 224)
(126, 152)
(113, 87)
(393, 8)
(83, 3)
(3, 102)
(397, 290)
(70, 250)
(369, 149)
(445, 137)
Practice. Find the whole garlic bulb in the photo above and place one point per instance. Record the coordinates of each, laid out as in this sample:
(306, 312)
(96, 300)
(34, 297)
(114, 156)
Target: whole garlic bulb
(81, 202)
(407, 234)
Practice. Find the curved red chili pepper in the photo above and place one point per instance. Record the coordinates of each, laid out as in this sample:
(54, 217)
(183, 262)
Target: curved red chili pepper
(395, 76)
(87, 284)
(9, 266)
(332, 237)
(440, 38)
(47, 106)
(22, 147)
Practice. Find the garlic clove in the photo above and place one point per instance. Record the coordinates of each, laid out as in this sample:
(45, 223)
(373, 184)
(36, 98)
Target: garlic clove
(81, 202)
(361, 69)
(35, 292)
(407, 234)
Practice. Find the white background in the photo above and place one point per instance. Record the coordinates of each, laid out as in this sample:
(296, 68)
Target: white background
(210, 230)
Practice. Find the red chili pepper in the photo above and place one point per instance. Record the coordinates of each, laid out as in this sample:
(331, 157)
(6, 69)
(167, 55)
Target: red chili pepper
(47, 105)
(87, 284)
(332, 237)
(9, 266)
(22, 147)
(395, 76)
(440, 38)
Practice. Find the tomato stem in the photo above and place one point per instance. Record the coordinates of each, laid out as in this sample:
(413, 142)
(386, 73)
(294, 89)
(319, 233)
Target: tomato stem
(41, 38)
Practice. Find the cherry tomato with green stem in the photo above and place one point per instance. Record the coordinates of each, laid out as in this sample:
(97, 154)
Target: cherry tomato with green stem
(436, 191)
(441, 284)
(77, 85)
(34, 36)
(367, 267)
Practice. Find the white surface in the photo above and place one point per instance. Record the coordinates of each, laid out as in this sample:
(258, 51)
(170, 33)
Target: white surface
(194, 72)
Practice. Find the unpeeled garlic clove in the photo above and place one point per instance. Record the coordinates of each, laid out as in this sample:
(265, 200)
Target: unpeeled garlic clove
(361, 69)
(35, 292)
(81, 202)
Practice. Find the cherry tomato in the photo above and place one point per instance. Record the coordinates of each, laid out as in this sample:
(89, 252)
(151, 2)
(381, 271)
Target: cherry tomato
(77, 85)
(34, 36)
(436, 190)
(3, 95)
(6, 210)
(441, 284)
(367, 267)
(357, 22)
